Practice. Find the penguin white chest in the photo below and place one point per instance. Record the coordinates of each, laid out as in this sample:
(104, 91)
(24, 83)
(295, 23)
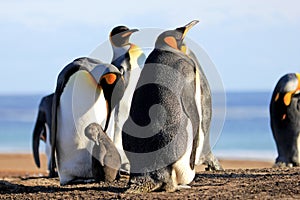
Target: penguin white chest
(81, 103)
(182, 172)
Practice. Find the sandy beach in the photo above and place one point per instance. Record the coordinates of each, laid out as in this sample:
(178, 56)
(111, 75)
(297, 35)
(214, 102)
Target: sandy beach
(242, 179)
(23, 165)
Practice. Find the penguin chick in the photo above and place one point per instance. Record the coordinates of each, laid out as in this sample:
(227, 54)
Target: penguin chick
(106, 160)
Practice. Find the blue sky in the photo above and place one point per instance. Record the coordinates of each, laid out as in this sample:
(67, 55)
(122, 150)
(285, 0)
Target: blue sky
(252, 42)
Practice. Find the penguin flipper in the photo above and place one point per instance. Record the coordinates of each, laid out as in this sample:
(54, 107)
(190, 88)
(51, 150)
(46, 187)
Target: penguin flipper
(39, 129)
(191, 110)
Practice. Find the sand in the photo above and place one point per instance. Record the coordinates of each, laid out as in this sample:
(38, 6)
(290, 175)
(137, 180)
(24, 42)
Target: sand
(242, 179)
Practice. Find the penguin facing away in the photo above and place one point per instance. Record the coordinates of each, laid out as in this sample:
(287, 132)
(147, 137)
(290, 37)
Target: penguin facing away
(42, 130)
(106, 160)
(87, 91)
(160, 137)
(285, 120)
(129, 59)
(203, 97)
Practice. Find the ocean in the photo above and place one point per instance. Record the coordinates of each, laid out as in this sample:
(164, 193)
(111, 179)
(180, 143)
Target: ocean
(245, 133)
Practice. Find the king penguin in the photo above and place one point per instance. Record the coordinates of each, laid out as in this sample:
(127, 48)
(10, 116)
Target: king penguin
(87, 90)
(42, 130)
(160, 137)
(285, 119)
(204, 103)
(129, 59)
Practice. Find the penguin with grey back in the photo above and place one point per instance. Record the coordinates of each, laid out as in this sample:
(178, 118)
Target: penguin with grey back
(42, 130)
(285, 120)
(129, 59)
(106, 160)
(206, 156)
(87, 90)
(161, 135)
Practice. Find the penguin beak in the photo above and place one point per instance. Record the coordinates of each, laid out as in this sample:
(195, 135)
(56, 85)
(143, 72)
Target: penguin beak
(128, 33)
(187, 27)
(288, 96)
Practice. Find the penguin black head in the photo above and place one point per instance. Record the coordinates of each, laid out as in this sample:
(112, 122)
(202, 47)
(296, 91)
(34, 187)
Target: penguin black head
(113, 86)
(120, 35)
(286, 88)
(174, 38)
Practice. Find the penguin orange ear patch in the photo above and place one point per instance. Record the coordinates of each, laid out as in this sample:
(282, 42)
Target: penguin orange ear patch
(171, 42)
(110, 78)
(287, 98)
(126, 34)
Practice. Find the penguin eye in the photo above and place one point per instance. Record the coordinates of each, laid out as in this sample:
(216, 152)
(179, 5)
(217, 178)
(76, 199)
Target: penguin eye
(178, 36)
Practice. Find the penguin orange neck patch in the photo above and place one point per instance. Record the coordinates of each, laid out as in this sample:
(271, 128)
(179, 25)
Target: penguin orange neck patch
(171, 41)
(110, 78)
(183, 49)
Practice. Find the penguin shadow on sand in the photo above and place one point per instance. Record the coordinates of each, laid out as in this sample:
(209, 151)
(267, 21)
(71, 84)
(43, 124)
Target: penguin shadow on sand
(106, 160)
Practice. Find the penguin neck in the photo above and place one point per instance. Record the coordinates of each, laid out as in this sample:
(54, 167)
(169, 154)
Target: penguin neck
(119, 52)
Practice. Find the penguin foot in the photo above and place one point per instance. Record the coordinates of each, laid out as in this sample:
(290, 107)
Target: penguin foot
(125, 168)
(144, 188)
(283, 164)
(143, 185)
(213, 166)
(211, 162)
(183, 187)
